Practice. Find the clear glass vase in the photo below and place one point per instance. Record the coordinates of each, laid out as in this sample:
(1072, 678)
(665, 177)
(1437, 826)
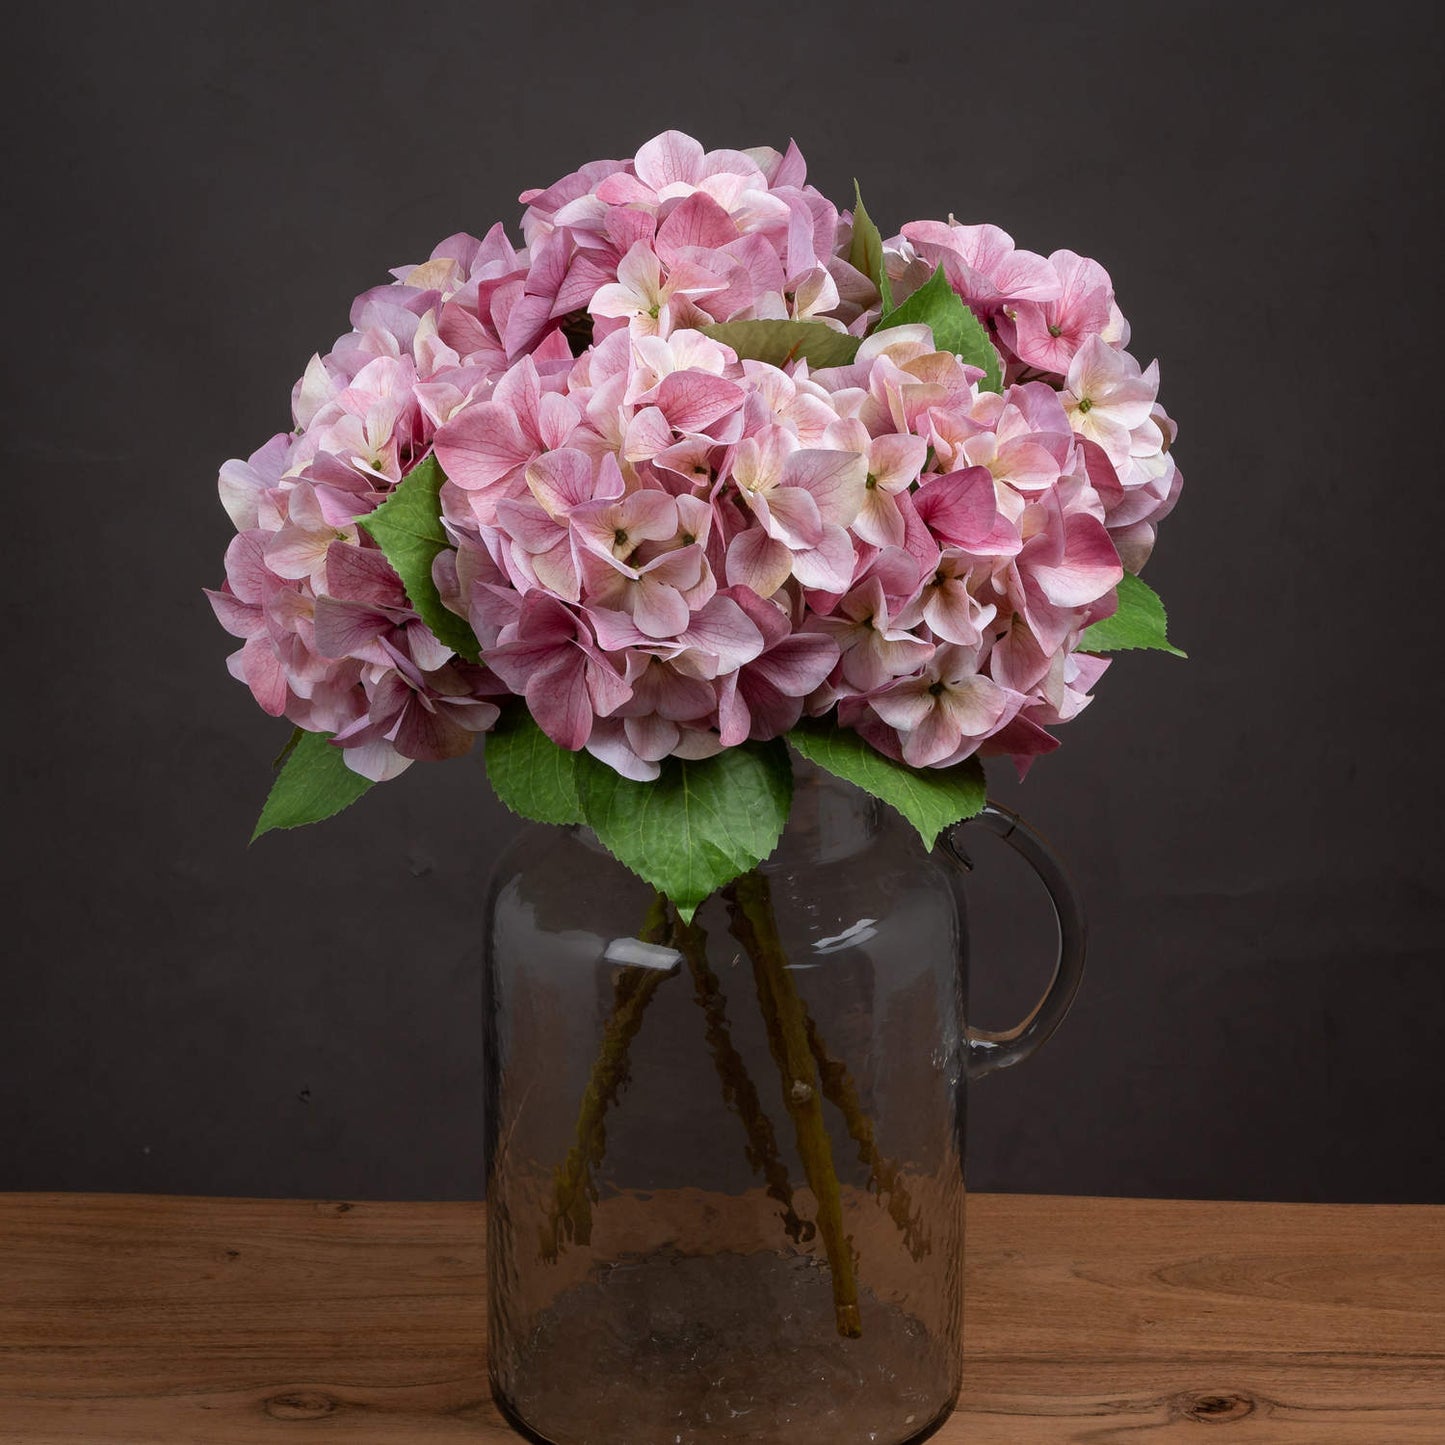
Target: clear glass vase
(725, 1161)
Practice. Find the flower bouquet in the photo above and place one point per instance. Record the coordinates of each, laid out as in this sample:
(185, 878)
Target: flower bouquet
(705, 470)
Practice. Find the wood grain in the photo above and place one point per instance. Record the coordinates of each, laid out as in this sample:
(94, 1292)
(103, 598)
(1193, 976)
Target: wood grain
(225, 1322)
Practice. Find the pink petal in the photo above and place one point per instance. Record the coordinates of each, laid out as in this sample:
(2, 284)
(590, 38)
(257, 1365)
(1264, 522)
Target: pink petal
(376, 759)
(240, 490)
(350, 629)
(556, 570)
(961, 510)
(1026, 465)
(480, 445)
(528, 525)
(616, 631)
(758, 561)
(657, 609)
(906, 704)
(1134, 544)
(293, 553)
(362, 574)
(975, 706)
(625, 226)
(589, 271)
(771, 710)
(667, 159)
(767, 617)
(557, 416)
(1024, 276)
(793, 517)
(952, 614)
(693, 400)
(262, 672)
(544, 627)
(1023, 740)
(340, 505)
(828, 567)
(895, 655)
(622, 190)
(734, 717)
(682, 567)
(608, 743)
(696, 221)
(792, 169)
(426, 649)
(671, 694)
(561, 480)
(697, 743)
(724, 631)
(526, 321)
(760, 261)
(797, 665)
(428, 734)
(879, 521)
(607, 688)
(1088, 569)
(649, 515)
(648, 433)
(240, 619)
(246, 569)
(651, 737)
(934, 738)
(896, 458)
(557, 697)
(464, 333)
(836, 481)
(1017, 275)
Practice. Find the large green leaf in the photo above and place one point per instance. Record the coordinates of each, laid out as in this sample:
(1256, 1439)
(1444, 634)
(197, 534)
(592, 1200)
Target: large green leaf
(528, 771)
(408, 527)
(932, 799)
(1139, 622)
(955, 328)
(866, 252)
(314, 782)
(779, 342)
(698, 825)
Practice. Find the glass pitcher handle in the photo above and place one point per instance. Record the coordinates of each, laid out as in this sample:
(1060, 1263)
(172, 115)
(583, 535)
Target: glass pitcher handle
(989, 1051)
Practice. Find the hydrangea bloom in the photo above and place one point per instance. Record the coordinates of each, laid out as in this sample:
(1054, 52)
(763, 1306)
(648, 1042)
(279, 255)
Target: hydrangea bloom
(666, 549)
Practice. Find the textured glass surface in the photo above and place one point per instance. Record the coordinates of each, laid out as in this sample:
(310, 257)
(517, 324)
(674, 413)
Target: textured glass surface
(661, 1278)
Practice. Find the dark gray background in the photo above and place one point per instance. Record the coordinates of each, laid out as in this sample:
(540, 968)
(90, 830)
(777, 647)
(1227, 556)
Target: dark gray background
(196, 192)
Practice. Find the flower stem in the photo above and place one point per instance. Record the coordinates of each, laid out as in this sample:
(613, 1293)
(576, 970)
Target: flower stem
(883, 1173)
(739, 1091)
(571, 1213)
(755, 927)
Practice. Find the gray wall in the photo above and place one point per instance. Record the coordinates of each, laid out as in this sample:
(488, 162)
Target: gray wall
(195, 193)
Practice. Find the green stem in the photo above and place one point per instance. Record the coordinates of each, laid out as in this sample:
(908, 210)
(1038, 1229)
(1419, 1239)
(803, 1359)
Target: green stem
(739, 1091)
(571, 1213)
(884, 1174)
(755, 927)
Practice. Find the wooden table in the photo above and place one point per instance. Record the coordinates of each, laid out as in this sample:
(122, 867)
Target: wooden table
(223, 1321)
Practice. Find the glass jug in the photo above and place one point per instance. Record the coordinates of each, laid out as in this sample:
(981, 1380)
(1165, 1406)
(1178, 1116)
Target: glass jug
(725, 1160)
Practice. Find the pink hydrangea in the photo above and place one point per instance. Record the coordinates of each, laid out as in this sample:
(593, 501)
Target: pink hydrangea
(664, 549)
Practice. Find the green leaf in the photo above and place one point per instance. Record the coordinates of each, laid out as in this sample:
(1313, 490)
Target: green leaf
(866, 252)
(1139, 622)
(534, 777)
(932, 799)
(407, 525)
(777, 342)
(313, 784)
(698, 825)
(955, 328)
